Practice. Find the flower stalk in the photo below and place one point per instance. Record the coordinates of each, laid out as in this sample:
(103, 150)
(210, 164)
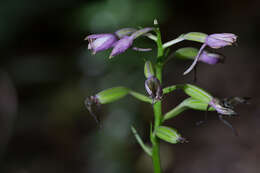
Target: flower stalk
(198, 99)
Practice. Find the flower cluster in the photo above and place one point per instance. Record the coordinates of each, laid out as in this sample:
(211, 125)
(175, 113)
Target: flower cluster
(120, 41)
(214, 41)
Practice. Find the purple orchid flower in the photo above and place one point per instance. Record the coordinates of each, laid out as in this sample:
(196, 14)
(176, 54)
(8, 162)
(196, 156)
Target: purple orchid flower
(214, 41)
(100, 42)
(126, 42)
(120, 41)
(217, 41)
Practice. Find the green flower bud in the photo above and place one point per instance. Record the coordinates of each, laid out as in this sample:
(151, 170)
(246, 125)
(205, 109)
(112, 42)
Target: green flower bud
(186, 53)
(196, 104)
(148, 69)
(169, 134)
(195, 36)
(111, 94)
(197, 93)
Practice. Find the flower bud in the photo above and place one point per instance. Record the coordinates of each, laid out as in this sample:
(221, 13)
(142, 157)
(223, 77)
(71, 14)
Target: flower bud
(153, 88)
(196, 93)
(220, 108)
(111, 94)
(169, 134)
(148, 69)
(217, 41)
(186, 53)
(195, 36)
(196, 104)
(100, 42)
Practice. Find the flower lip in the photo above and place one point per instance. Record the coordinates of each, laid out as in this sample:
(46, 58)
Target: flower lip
(217, 41)
(220, 108)
(100, 42)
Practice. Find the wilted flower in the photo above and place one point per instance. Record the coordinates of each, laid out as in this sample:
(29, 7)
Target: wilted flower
(154, 88)
(90, 103)
(220, 108)
(217, 41)
(100, 42)
(211, 58)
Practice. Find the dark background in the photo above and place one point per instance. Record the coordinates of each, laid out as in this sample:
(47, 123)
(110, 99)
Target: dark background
(46, 72)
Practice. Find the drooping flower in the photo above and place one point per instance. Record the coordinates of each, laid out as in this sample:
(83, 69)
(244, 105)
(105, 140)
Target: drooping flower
(153, 88)
(90, 103)
(217, 41)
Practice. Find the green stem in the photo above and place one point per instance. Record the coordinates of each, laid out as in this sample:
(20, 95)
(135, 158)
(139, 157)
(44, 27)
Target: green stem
(157, 107)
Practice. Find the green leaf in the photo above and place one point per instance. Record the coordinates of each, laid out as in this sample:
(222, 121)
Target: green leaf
(147, 149)
(112, 94)
(186, 53)
(168, 134)
(196, 92)
(195, 36)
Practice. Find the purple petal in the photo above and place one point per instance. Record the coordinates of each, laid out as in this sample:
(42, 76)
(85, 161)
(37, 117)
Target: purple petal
(100, 42)
(195, 60)
(121, 46)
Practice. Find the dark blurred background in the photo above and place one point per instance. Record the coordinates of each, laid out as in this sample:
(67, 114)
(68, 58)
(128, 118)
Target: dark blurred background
(46, 72)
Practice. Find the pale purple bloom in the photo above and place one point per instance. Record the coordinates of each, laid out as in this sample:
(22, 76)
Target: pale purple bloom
(154, 88)
(211, 58)
(214, 41)
(217, 41)
(126, 42)
(100, 42)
